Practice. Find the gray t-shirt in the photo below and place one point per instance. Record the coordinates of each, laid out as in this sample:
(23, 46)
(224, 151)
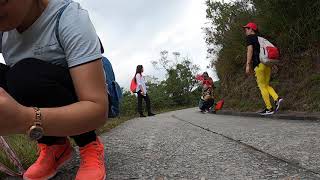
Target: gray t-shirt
(80, 43)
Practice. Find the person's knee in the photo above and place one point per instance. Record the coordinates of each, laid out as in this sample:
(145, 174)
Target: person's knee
(3, 78)
(23, 79)
(33, 81)
(262, 86)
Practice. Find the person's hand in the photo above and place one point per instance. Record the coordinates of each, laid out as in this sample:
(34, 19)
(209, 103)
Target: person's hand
(249, 70)
(13, 116)
(142, 93)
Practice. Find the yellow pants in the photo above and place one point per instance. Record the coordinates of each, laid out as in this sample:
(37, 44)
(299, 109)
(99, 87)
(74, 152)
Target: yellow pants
(263, 74)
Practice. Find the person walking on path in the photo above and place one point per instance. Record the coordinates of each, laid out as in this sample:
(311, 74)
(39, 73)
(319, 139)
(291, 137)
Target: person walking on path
(53, 66)
(262, 71)
(142, 92)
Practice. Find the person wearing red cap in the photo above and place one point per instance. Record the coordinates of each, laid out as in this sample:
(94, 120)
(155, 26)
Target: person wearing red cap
(262, 71)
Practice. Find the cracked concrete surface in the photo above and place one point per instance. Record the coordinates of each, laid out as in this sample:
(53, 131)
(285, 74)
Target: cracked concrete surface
(189, 145)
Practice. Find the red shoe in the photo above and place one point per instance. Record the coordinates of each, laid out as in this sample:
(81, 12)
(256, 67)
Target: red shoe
(51, 158)
(92, 162)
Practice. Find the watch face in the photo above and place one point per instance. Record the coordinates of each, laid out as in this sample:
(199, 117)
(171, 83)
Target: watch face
(36, 132)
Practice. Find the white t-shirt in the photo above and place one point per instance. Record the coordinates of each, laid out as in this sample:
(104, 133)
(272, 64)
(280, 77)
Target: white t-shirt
(141, 83)
(77, 36)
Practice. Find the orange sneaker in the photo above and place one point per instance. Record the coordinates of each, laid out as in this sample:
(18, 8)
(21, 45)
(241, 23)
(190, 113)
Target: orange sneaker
(92, 162)
(51, 158)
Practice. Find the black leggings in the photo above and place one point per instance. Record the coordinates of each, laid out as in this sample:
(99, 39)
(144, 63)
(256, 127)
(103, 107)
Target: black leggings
(146, 99)
(34, 82)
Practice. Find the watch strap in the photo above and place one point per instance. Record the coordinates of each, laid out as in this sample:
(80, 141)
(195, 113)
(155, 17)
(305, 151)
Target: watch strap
(38, 117)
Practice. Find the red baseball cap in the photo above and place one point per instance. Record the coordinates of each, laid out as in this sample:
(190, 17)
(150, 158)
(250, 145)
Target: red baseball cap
(251, 25)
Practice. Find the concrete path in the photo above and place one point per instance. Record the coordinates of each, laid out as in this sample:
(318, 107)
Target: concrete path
(187, 144)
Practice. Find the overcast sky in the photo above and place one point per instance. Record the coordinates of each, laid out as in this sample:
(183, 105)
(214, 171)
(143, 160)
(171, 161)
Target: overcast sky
(135, 31)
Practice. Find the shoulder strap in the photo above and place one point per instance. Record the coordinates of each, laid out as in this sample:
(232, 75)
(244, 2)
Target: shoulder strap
(58, 22)
(262, 41)
(1, 34)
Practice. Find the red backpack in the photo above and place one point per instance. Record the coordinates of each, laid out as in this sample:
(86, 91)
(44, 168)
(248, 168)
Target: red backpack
(133, 85)
(219, 105)
(269, 54)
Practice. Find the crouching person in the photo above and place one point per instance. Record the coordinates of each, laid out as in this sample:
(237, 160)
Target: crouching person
(53, 66)
(206, 102)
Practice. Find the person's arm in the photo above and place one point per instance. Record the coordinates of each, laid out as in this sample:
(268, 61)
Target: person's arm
(212, 84)
(249, 59)
(86, 115)
(250, 42)
(211, 81)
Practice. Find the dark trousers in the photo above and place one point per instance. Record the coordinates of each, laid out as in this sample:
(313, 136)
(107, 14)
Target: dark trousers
(33, 82)
(146, 99)
(206, 105)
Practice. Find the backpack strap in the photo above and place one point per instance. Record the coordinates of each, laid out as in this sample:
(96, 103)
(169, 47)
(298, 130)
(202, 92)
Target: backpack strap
(101, 46)
(1, 34)
(58, 22)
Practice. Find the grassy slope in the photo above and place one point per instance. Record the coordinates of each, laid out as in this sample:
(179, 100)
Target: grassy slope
(297, 80)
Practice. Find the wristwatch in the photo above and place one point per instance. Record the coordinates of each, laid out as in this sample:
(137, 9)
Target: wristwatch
(36, 131)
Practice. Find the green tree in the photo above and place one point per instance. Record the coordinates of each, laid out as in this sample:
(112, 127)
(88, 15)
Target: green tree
(180, 77)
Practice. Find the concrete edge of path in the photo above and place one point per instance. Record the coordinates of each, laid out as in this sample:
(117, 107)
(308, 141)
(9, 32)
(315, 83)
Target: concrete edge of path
(280, 115)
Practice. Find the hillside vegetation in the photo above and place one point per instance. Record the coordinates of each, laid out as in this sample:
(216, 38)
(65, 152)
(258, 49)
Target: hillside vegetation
(293, 25)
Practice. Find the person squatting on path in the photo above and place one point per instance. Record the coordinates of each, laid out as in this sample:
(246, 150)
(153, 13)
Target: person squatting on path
(142, 92)
(52, 89)
(262, 71)
(207, 97)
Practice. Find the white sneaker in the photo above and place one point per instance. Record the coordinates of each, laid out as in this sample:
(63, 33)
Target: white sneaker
(267, 112)
(278, 102)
